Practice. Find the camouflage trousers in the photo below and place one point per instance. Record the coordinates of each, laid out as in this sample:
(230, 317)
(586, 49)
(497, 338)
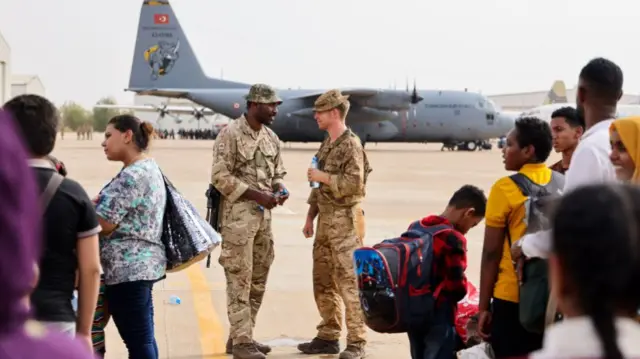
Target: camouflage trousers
(339, 232)
(246, 256)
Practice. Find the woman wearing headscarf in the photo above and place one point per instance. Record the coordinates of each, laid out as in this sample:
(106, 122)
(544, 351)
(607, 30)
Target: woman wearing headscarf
(625, 148)
(20, 242)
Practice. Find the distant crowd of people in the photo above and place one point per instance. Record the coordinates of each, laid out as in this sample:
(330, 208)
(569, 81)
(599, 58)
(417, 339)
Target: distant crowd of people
(86, 133)
(190, 134)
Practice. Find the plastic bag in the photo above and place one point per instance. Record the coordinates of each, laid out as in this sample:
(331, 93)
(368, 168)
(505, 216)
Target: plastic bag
(480, 351)
(467, 317)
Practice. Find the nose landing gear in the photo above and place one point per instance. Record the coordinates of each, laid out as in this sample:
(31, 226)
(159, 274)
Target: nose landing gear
(469, 146)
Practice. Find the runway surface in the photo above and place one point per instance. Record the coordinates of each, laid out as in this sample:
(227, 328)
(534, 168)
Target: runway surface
(409, 181)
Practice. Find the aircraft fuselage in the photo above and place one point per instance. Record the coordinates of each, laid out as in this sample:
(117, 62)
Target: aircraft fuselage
(442, 116)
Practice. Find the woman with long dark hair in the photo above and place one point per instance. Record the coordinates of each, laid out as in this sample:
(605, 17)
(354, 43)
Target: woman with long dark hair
(595, 274)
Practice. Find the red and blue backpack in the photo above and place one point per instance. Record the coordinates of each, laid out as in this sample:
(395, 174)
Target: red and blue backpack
(395, 280)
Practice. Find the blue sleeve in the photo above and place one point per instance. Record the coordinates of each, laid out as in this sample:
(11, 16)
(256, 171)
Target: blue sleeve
(118, 198)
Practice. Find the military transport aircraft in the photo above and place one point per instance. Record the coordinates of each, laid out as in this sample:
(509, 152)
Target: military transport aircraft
(165, 65)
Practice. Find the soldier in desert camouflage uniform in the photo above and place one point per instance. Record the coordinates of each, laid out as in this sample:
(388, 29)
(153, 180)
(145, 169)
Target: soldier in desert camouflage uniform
(342, 173)
(248, 171)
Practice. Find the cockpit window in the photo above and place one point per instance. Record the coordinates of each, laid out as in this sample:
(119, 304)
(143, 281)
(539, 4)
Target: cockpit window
(487, 104)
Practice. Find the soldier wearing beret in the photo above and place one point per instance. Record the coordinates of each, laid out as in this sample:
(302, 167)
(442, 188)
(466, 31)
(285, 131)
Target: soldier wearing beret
(248, 171)
(342, 173)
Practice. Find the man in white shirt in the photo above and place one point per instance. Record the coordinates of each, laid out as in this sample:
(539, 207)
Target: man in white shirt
(599, 90)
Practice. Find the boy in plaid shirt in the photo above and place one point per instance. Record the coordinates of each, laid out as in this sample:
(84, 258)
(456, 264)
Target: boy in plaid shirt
(465, 210)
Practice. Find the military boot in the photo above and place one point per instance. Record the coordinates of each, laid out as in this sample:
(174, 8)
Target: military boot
(320, 346)
(262, 348)
(246, 351)
(352, 352)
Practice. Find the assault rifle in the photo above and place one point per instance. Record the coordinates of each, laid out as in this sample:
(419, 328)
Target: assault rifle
(213, 208)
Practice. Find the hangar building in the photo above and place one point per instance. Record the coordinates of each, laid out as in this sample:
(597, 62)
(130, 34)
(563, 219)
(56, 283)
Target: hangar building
(5, 70)
(169, 121)
(526, 100)
(23, 84)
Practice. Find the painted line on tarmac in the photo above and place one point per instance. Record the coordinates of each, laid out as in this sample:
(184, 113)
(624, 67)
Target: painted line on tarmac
(212, 339)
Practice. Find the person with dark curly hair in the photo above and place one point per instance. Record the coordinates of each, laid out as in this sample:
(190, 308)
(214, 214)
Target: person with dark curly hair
(566, 129)
(527, 148)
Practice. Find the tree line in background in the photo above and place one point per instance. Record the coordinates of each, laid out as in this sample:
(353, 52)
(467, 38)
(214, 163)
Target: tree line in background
(74, 115)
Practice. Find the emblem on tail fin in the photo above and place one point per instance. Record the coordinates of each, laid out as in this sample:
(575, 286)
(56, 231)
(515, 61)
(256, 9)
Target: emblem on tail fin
(162, 57)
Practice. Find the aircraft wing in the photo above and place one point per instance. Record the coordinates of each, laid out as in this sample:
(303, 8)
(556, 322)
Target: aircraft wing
(177, 110)
(355, 95)
(378, 100)
(173, 93)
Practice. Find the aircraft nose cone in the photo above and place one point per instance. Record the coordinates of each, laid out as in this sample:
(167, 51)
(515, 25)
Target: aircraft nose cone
(506, 122)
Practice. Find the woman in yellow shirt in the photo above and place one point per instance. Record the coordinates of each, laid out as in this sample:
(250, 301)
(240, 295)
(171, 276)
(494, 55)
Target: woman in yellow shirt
(527, 148)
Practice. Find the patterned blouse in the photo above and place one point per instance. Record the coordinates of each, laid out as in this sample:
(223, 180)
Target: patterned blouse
(134, 200)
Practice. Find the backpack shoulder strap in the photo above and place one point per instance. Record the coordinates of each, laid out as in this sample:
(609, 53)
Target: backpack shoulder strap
(50, 190)
(527, 188)
(557, 181)
(417, 227)
(525, 184)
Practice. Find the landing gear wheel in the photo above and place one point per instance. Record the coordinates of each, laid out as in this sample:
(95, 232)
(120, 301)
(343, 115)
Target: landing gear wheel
(471, 146)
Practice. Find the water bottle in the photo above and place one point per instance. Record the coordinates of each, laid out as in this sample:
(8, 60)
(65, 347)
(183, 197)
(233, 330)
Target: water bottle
(174, 299)
(314, 165)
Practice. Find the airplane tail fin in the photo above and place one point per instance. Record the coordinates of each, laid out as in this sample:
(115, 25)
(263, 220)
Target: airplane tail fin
(163, 57)
(557, 93)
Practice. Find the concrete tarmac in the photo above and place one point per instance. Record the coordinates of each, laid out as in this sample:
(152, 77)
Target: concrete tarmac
(409, 181)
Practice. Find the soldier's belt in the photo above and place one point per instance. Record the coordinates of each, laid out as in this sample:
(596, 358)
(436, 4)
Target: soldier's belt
(329, 208)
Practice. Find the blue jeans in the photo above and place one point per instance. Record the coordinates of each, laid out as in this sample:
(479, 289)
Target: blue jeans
(438, 341)
(131, 309)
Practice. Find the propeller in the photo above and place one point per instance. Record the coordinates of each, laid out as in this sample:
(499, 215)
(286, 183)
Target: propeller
(198, 115)
(415, 98)
(162, 112)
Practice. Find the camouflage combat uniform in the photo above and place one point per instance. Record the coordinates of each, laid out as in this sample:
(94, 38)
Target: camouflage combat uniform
(340, 230)
(242, 159)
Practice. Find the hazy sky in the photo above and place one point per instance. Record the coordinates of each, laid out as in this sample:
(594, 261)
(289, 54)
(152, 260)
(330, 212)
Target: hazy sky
(82, 49)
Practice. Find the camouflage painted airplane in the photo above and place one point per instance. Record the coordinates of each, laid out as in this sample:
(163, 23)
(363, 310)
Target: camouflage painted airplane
(165, 65)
